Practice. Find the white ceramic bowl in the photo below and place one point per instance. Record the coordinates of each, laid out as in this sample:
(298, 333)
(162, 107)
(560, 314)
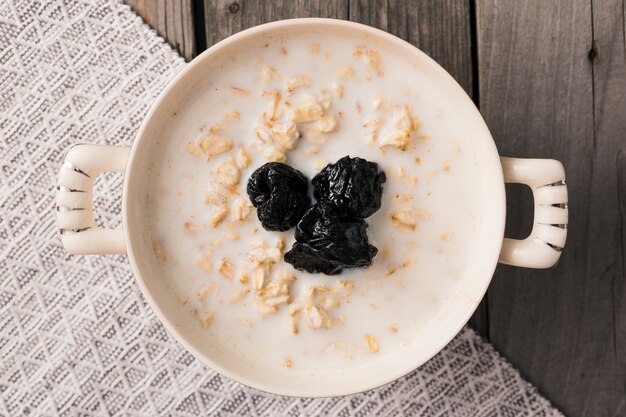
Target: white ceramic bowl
(541, 249)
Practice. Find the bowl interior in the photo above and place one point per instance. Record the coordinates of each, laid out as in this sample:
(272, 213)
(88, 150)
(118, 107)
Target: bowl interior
(340, 380)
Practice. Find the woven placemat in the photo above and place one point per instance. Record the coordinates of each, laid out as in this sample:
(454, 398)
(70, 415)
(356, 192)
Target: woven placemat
(76, 335)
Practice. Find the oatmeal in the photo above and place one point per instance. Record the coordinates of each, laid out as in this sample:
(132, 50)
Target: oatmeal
(308, 104)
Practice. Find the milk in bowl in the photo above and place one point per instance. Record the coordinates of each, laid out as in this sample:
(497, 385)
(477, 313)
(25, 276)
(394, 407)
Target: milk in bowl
(309, 101)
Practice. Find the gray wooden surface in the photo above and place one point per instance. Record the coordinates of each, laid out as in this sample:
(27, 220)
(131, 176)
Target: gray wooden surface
(547, 91)
(550, 79)
(173, 20)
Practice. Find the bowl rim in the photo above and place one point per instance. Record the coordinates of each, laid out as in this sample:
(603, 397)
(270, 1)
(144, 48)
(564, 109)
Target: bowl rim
(460, 313)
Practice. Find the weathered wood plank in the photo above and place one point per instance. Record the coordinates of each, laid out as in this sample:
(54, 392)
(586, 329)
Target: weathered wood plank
(225, 17)
(607, 198)
(543, 94)
(173, 20)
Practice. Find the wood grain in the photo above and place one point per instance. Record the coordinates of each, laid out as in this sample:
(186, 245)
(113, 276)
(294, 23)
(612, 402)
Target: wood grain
(172, 19)
(545, 93)
(224, 18)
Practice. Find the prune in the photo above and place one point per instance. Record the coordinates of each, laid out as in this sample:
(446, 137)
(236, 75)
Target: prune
(280, 195)
(328, 243)
(304, 258)
(353, 185)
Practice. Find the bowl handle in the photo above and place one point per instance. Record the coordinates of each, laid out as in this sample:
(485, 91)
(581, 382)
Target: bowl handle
(79, 233)
(546, 179)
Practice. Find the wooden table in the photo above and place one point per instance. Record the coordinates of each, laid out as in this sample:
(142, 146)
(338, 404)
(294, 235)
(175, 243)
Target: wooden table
(550, 79)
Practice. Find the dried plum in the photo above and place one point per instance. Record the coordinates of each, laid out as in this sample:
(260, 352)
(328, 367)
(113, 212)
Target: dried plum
(280, 195)
(353, 185)
(304, 258)
(328, 243)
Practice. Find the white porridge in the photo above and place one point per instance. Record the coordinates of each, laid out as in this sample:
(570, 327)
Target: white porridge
(309, 103)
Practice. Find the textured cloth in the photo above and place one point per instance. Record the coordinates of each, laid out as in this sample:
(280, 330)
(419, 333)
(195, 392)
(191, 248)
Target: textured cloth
(76, 335)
